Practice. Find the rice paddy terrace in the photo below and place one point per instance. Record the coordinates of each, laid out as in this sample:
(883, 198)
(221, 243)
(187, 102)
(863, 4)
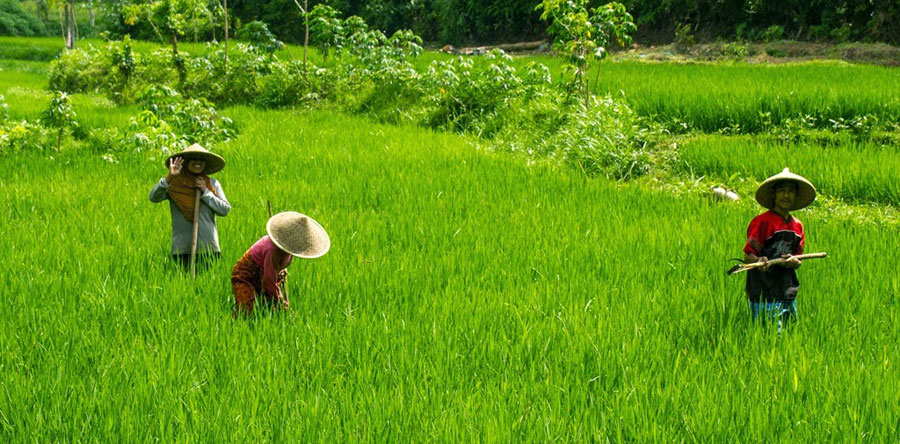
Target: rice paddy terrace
(470, 295)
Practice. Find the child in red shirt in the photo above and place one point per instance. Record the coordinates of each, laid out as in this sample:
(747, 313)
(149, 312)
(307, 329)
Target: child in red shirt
(772, 291)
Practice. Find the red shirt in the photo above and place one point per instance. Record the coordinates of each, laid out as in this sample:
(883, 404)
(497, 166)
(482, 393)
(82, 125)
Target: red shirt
(771, 236)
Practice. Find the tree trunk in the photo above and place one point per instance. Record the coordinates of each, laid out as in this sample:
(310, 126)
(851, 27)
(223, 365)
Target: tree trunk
(178, 61)
(303, 9)
(91, 14)
(226, 38)
(74, 22)
(62, 30)
(69, 38)
(306, 33)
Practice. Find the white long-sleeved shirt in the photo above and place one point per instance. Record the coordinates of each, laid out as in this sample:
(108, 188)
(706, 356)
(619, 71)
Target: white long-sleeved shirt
(183, 230)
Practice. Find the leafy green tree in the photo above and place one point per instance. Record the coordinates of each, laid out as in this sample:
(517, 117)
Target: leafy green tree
(327, 29)
(173, 17)
(59, 115)
(258, 34)
(583, 36)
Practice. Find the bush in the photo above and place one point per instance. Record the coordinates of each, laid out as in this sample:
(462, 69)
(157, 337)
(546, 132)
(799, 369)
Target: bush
(258, 34)
(15, 20)
(21, 135)
(602, 138)
(169, 123)
(115, 69)
(370, 73)
(771, 34)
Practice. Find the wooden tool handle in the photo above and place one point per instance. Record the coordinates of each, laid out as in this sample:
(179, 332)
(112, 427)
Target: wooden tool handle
(196, 230)
(744, 267)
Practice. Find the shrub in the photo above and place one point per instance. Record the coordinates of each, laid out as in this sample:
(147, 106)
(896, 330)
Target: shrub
(603, 138)
(19, 136)
(771, 34)
(22, 136)
(59, 116)
(258, 34)
(169, 123)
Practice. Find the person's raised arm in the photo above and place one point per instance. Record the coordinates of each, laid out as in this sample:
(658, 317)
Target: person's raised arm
(160, 191)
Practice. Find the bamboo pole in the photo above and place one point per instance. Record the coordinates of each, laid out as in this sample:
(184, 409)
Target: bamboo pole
(745, 267)
(196, 229)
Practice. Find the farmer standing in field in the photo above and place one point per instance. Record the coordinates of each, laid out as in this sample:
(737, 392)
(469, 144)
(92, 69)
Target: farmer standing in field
(772, 290)
(263, 267)
(189, 176)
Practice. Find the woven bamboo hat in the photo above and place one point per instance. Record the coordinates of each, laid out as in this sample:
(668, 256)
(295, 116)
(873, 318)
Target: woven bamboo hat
(806, 192)
(214, 162)
(298, 235)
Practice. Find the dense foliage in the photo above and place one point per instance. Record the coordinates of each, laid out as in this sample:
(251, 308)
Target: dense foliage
(15, 20)
(484, 21)
(461, 21)
(368, 72)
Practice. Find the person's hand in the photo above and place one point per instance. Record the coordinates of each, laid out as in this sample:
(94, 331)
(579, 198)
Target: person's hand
(199, 183)
(175, 166)
(791, 261)
(282, 275)
(765, 262)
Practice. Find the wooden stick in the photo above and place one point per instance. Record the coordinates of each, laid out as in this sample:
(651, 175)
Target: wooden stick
(196, 229)
(745, 267)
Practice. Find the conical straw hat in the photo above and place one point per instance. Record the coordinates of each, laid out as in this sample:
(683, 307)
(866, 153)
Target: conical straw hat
(298, 235)
(214, 162)
(806, 192)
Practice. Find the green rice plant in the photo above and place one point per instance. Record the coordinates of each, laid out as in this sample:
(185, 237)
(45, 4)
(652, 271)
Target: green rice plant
(468, 296)
(41, 49)
(709, 97)
(853, 171)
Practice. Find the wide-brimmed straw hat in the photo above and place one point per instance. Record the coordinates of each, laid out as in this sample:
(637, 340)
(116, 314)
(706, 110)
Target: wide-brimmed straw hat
(298, 234)
(214, 162)
(806, 192)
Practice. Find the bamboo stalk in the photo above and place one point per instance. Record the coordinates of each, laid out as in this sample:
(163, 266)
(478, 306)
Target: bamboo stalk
(196, 229)
(745, 267)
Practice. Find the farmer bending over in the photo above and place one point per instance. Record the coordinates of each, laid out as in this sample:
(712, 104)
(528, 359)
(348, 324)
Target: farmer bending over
(264, 266)
(776, 234)
(188, 172)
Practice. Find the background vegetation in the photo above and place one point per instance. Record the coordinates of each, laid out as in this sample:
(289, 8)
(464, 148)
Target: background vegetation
(482, 21)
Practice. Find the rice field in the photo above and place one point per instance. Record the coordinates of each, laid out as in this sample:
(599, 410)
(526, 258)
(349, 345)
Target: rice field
(468, 296)
(854, 171)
